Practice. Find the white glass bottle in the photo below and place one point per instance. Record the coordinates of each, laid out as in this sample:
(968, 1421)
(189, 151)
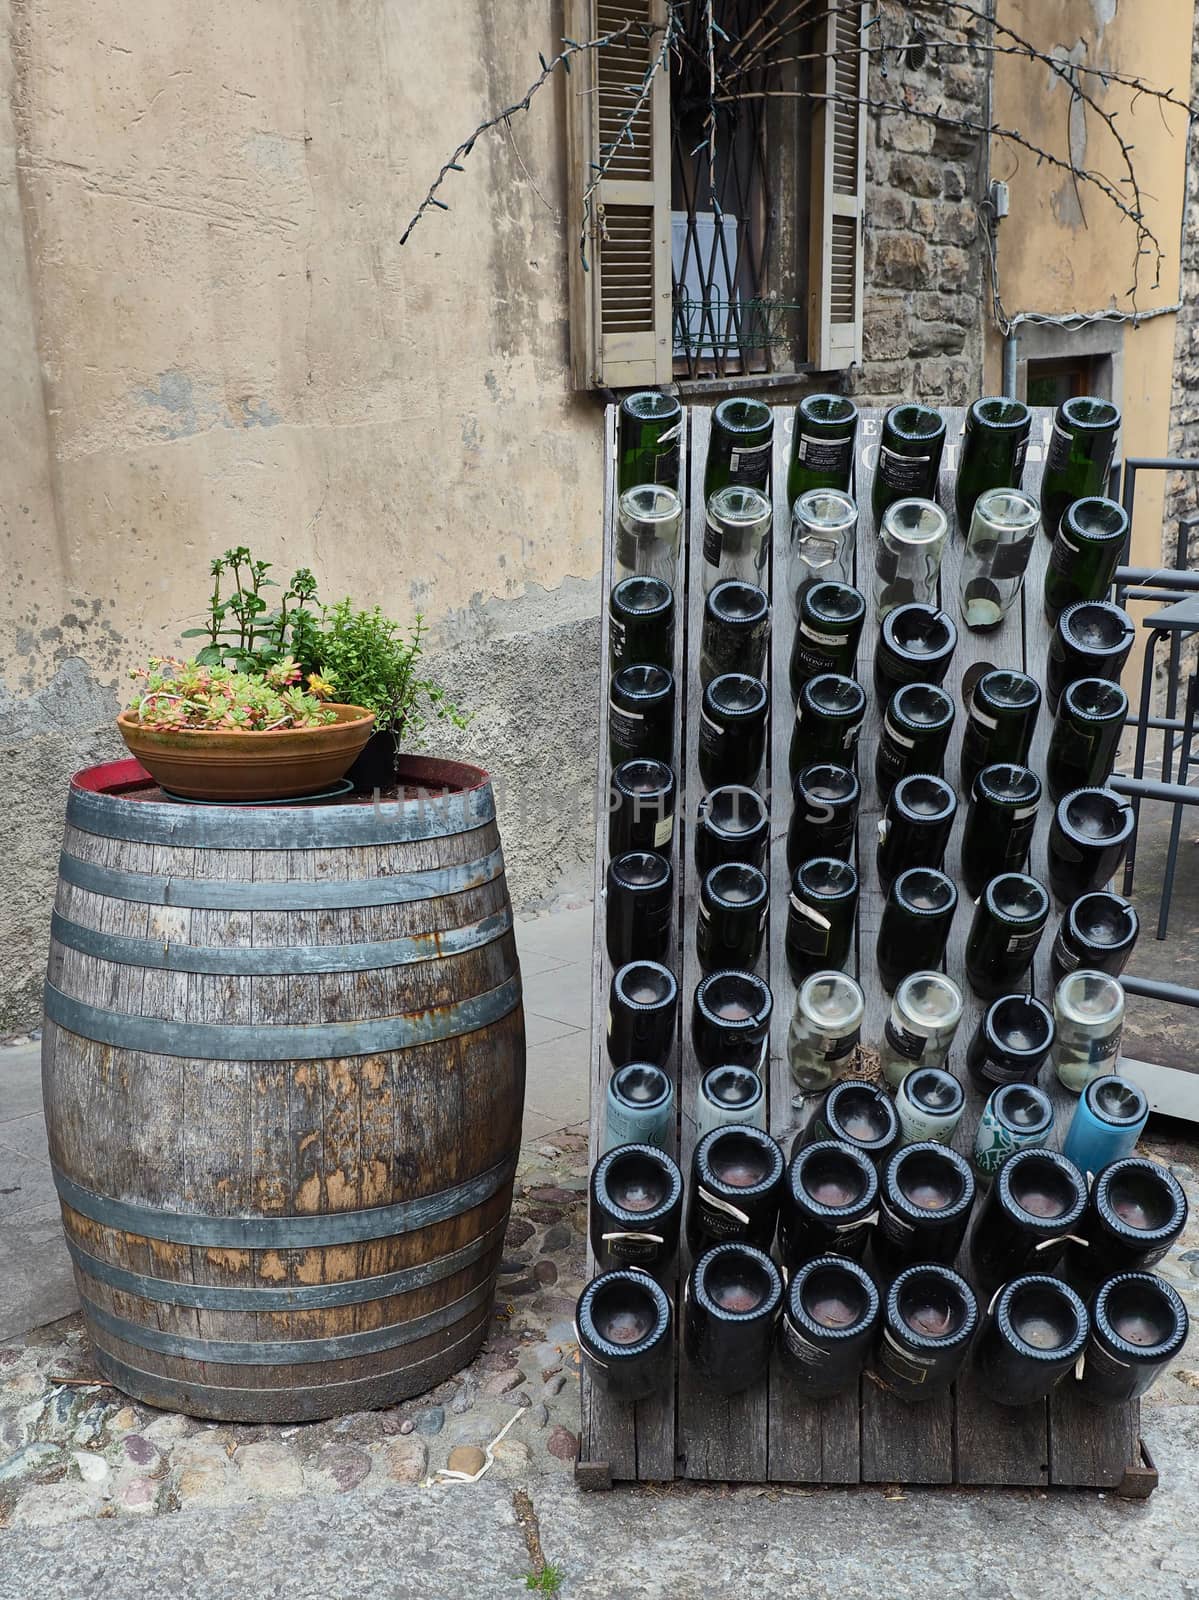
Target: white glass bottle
(1088, 1009)
(823, 526)
(925, 1013)
(649, 518)
(824, 1029)
(736, 536)
(728, 1095)
(1003, 530)
(907, 557)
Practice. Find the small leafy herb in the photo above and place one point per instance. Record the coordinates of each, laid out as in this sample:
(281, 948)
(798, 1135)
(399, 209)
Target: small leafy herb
(376, 666)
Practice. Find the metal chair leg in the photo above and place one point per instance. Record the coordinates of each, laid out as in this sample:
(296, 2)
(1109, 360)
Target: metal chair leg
(1184, 763)
(1138, 763)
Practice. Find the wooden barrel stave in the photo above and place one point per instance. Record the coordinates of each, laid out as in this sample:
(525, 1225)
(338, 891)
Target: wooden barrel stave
(227, 1145)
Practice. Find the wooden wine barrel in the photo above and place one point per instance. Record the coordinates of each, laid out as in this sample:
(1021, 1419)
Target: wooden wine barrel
(283, 1071)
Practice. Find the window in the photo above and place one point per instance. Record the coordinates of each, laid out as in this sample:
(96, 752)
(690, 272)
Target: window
(701, 276)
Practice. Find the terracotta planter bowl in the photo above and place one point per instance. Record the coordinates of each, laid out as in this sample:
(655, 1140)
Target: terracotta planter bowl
(204, 764)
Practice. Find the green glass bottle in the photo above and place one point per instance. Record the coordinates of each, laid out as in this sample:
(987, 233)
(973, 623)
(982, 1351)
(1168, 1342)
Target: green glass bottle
(1009, 920)
(641, 623)
(1079, 457)
(822, 441)
(651, 430)
(993, 451)
(909, 457)
(739, 446)
(1086, 735)
(1086, 552)
(914, 735)
(828, 719)
(914, 926)
(999, 824)
(827, 632)
(1003, 717)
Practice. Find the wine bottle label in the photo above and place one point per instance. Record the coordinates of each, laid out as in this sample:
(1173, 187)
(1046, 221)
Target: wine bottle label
(1022, 813)
(984, 720)
(838, 1046)
(999, 1072)
(663, 831)
(1058, 453)
(809, 913)
(903, 1363)
(1063, 956)
(1011, 558)
(1023, 943)
(891, 732)
(909, 1046)
(633, 1246)
(1018, 457)
(859, 1224)
(902, 472)
(802, 1349)
(704, 914)
(713, 543)
(718, 1218)
(711, 734)
(1102, 1361)
(626, 728)
(809, 632)
(896, 1228)
(1102, 1049)
(618, 634)
(824, 455)
(748, 463)
(884, 828)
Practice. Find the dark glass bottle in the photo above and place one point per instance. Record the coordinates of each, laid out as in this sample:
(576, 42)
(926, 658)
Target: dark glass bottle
(1002, 720)
(641, 815)
(915, 826)
(732, 730)
(641, 623)
(1086, 551)
(641, 715)
(736, 1188)
(822, 442)
(827, 632)
(993, 451)
(1030, 1339)
(730, 1019)
(828, 720)
(828, 1203)
(1009, 920)
(734, 900)
(736, 631)
(1135, 1212)
(1092, 639)
(636, 1208)
(639, 907)
(821, 913)
(1013, 1037)
(1138, 1326)
(1034, 1204)
(999, 824)
(909, 457)
(650, 433)
(915, 923)
(828, 1325)
(914, 736)
(857, 1113)
(1097, 931)
(915, 645)
(1079, 457)
(731, 1306)
(626, 1335)
(731, 824)
(641, 1013)
(825, 819)
(1087, 841)
(739, 445)
(924, 1206)
(1091, 715)
(928, 1322)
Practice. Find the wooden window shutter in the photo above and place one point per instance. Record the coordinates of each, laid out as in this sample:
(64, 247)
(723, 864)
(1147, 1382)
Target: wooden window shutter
(838, 188)
(620, 310)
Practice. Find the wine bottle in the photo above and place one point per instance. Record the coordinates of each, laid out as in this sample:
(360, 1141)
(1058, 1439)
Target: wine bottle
(1000, 821)
(907, 555)
(735, 1190)
(1097, 931)
(1009, 920)
(1079, 457)
(650, 432)
(824, 821)
(639, 1106)
(856, 1113)
(736, 536)
(731, 1305)
(829, 714)
(1139, 1325)
(641, 715)
(626, 1335)
(822, 444)
(1091, 716)
(993, 450)
(828, 1325)
(915, 826)
(634, 1217)
(1135, 1212)
(649, 520)
(914, 926)
(828, 1205)
(1002, 720)
(1092, 639)
(641, 802)
(734, 901)
(821, 915)
(1030, 1339)
(729, 1094)
(827, 632)
(1013, 1037)
(914, 736)
(731, 824)
(739, 446)
(1087, 548)
(915, 645)
(1087, 841)
(1107, 1122)
(823, 537)
(1017, 1116)
(929, 1104)
(909, 457)
(641, 1013)
(1088, 1015)
(925, 1013)
(641, 623)
(1033, 1206)
(998, 547)
(730, 1019)
(825, 1028)
(736, 631)
(925, 1200)
(639, 907)
(732, 730)
(924, 1338)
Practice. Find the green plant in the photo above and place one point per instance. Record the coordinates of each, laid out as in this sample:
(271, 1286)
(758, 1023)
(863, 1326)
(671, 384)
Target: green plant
(547, 1581)
(200, 694)
(376, 666)
(257, 636)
